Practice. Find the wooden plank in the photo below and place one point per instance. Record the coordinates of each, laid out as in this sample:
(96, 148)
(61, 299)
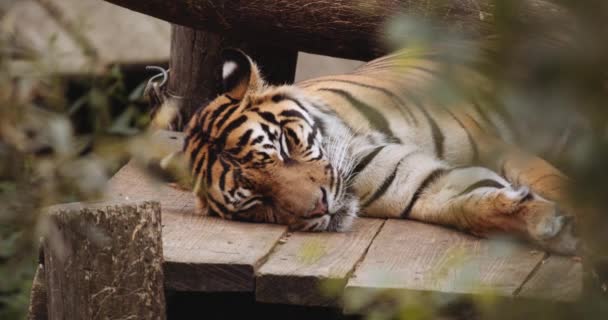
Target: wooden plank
(409, 256)
(201, 253)
(35, 29)
(297, 269)
(558, 278)
(115, 35)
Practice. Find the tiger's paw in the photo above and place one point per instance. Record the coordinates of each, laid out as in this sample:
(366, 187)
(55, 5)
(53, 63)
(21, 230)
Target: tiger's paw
(544, 222)
(539, 219)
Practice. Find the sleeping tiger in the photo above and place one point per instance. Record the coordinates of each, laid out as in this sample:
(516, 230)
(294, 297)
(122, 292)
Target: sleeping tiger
(315, 155)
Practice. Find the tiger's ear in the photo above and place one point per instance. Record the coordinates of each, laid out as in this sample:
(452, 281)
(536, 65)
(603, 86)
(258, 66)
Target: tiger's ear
(239, 74)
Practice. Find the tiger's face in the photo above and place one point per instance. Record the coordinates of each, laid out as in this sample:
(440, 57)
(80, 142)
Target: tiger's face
(257, 154)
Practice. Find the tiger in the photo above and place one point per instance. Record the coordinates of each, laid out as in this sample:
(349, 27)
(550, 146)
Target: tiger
(317, 154)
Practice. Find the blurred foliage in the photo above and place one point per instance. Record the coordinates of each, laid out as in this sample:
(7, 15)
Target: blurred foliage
(545, 65)
(61, 138)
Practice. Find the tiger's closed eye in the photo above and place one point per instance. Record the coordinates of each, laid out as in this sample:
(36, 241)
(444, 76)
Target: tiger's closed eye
(246, 205)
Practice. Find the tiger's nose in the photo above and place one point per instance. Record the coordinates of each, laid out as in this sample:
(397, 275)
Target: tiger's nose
(320, 208)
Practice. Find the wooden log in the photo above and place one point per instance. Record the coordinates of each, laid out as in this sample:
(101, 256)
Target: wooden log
(202, 253)
(38, 300)
(104, 261)
(341, 28)
(195, 77)
(303, 269)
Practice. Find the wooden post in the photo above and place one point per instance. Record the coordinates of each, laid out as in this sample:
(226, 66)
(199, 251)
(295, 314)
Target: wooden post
(38, 299)
(104, 261)
(195, 77)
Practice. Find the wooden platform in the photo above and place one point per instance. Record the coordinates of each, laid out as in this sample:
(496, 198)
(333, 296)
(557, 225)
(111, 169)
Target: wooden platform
(213, 255)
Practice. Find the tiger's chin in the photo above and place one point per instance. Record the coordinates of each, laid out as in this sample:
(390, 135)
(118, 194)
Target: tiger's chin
(344, 216)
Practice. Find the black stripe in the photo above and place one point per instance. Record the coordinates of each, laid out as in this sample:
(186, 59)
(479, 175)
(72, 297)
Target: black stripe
(485, 183)
(294, 137)
(225, 168)
(485, 117)
(245, 138)
(294, 114)
(257, 140)
(401, 105)
(366, 160)
(385, 185)
(298, 103)
(210, 162)
(220, 206)
(320, 125)
(438, 137)
(225, 117)
(198, 165)
(196, 151)
(195, 130)
(229, 128)
(376, 119)
(472, 142)
(268, 116)
(434, 175)
(269, 134)
(215, 114)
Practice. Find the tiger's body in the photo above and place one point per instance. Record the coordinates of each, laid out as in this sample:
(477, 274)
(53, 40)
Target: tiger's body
(317, 154)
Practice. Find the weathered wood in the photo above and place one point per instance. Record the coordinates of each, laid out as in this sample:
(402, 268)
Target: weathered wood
(298, 270)
(557, 278)
(201, 253)
(104, 261)
(342, 28)
(195, 77)
(37, 309)
(409, 256)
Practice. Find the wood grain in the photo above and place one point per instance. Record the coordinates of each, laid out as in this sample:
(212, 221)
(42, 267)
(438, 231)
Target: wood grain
(37, 309)
(201, 253)
(558, 278)
(341, 28)
(104, 261)
(299, 269)
(409, 256)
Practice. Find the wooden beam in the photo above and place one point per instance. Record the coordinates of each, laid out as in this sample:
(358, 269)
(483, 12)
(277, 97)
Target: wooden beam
(341, 28)
(307, 266)
(104, 261)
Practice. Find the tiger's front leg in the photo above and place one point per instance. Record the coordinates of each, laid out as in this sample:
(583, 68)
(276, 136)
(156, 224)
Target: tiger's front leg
(404, 182)
(479, 201)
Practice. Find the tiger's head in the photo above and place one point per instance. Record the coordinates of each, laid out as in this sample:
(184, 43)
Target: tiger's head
(257, 153)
